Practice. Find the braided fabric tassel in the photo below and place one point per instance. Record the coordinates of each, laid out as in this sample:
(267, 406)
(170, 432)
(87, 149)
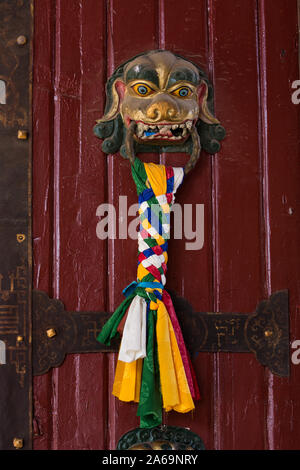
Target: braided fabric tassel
(154, 367)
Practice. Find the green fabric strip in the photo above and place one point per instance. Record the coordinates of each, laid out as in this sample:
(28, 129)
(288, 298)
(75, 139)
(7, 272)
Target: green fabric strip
(109, 330)
(139, 175)
(150, 404)
(150, 242)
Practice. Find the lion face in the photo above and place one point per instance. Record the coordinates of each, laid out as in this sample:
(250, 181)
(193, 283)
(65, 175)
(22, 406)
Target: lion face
(162, 95)
(159, 99)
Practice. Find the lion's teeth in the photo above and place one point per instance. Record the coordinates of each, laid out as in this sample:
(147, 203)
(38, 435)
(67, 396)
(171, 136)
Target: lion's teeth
(163, 129)
(140, 129)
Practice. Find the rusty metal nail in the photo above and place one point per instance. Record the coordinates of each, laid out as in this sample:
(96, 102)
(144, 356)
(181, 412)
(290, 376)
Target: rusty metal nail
(18, 443)
(22, 135)
(51, 332)
(21, 40)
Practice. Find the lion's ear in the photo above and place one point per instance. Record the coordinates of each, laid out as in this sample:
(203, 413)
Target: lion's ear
(204, 112)
(115, 95)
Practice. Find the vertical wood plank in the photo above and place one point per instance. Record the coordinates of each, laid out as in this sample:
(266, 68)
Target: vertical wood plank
(239, 381)
(79, 385)
(125, 39)
(190, 271)
(91, 258)
(280, 130)
(43, 111)
(66, 200)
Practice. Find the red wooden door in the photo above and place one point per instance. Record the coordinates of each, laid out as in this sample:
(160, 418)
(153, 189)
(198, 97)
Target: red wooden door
(250, 192)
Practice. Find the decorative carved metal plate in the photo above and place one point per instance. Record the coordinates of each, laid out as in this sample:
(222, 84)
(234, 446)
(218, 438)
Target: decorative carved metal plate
(161, 438)
(15, 226)
(264, 333)
(57, 332)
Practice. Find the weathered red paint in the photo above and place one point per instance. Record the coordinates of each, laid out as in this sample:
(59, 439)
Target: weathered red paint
(250, 191)
(281, 168)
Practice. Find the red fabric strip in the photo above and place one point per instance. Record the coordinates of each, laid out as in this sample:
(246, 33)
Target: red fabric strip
(169, 172)
(169, 198)
(157, 250)
(144, 234)
(142, 257)
(164, 266)
(188, 367)
(155, 272)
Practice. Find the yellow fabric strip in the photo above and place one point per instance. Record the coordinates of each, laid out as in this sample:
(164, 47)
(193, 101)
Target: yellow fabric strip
(141, 272)
(157, 177)
(127, 381)
(165, 208)
(174, 386)
(160, 240)
(146, 224)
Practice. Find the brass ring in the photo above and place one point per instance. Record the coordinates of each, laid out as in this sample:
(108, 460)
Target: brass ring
(195, 152)
(129, 142)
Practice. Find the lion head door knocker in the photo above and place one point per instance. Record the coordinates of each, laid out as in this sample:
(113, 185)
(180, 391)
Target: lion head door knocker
(157, 101)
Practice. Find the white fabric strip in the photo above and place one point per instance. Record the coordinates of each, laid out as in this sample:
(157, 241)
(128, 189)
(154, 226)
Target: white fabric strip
(143, 206)
(178, 177)
(142, 244)
(133, 344)
(153, 260)
(162, 199)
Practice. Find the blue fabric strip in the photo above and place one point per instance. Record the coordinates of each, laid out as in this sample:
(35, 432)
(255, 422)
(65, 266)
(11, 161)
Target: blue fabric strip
(170, 185)
(134, 284)
(150, 252)
(151, 285)
(146, 195)
(158, 294)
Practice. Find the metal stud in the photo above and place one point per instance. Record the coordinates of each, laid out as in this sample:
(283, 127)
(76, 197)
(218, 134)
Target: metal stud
(21, 40)
(268, 333)
(18, 443)
(51, 332)
(21, 237)
(22, 135)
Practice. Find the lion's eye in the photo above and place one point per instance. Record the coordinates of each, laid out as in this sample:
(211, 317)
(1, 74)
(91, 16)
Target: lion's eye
(182, 92)
(142, 89)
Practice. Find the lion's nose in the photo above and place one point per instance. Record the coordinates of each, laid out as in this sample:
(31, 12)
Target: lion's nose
(161, 110)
